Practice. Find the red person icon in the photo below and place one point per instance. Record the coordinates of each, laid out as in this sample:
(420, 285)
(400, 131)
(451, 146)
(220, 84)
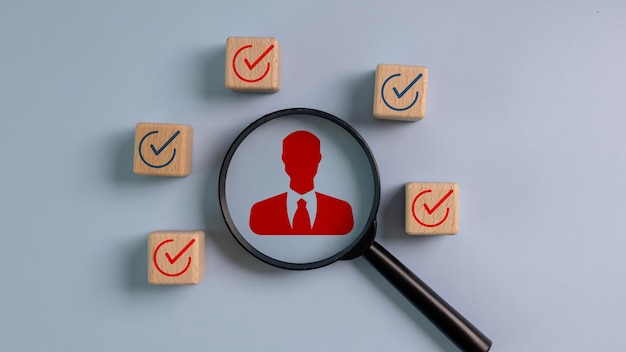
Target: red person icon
(301, 210)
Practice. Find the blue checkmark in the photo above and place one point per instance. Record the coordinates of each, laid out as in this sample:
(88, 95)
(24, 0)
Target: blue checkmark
(401, 94)
(157, 151)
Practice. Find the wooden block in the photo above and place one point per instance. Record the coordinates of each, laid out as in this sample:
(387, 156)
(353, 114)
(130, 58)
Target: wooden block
(252, 64)
(400, 92)
(432, 208)
(176, 257)
(163, 149)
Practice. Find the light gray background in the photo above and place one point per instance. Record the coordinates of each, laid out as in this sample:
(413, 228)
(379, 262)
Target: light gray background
(525, 112)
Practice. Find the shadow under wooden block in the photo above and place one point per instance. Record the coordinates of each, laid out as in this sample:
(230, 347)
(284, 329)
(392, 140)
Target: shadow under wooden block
(163, 149)
(360, 93)
(176, 257)
(432, 208)
(252, 64)
(400, 92)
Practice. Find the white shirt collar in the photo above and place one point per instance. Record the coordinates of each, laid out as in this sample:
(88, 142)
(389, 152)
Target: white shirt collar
(292, 204)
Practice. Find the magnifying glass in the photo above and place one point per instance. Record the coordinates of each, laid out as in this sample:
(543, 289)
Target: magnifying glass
(299, 189)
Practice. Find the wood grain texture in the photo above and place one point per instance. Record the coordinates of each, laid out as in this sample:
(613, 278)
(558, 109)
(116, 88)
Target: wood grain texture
(252, 64)
(176, 257)
(163, 149)
(431, 208)
(400, 92)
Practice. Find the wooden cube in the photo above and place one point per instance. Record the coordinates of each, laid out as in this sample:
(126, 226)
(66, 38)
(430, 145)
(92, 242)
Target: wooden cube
(432, 208)
(176, 257)
(163, 149)
(252, 64)
(400, 92)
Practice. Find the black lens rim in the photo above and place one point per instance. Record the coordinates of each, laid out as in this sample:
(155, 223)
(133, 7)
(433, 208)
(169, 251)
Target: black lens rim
(222, 188)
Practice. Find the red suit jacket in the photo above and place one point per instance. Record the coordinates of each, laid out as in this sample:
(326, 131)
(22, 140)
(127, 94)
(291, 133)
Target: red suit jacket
(333, 217)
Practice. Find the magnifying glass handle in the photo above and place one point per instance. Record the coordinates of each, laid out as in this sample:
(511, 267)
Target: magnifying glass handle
(460, 331)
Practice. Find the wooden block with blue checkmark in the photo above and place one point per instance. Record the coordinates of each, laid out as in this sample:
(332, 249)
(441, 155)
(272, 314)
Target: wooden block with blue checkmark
(400, 92)
(163, 149)
(252, 64)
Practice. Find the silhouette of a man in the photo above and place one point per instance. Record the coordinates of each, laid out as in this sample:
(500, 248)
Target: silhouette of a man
(301, 210)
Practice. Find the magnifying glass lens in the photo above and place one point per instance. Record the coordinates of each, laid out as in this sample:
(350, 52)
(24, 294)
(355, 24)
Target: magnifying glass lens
(299, 189)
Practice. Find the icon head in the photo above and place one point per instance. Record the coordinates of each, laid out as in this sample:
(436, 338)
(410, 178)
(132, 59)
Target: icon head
(301, 156)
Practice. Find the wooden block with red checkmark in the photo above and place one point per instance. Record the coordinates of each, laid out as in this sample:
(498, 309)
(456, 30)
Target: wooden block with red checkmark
(252, 64)
(163, 149)
(432, 208)
(400, 92)
(176, 257)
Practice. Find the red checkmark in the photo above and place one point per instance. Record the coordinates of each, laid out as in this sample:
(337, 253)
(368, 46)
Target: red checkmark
(267, 51)
(431, 211)
(251, 66)
(173, 260)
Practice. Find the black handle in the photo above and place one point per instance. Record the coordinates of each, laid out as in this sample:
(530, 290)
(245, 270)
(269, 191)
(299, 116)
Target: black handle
(439, 312)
